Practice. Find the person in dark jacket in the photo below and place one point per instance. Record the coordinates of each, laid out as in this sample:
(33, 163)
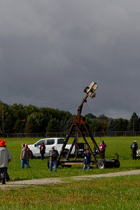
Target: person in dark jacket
(42, 150)
(134, 148)
(53, 154)
(87, 159)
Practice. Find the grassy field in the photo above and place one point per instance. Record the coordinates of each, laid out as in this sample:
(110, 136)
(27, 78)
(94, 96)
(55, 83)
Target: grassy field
(118, 193)
(100, 193)
(39, 168)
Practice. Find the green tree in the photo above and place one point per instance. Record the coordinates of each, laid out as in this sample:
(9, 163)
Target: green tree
(89, 122)
(9, 123)
(37, 121)
(103, 117)
(122, 125)
(53, 125)
(112, 125)
(30, 126)
(134, 122)
(96, 125)
(65, 125)
(90, 116)
(19, 126)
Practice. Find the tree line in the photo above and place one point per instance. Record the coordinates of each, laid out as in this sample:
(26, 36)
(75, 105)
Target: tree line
(18, 118)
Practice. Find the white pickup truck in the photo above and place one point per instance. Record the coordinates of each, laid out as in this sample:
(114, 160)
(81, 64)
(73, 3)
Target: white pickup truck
(57, 143)
(138, 153)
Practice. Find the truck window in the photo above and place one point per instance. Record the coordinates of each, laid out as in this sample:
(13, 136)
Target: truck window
(61, 141)
(39, 142)
(50, 142)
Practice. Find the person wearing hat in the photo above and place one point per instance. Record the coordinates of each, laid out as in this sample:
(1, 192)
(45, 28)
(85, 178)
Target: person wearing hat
(5, 158)
(134, 148)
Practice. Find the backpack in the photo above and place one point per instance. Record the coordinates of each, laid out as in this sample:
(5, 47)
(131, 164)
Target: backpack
(134, 146)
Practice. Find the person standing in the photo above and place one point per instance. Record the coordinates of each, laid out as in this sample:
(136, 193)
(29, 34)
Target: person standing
(5, 158)
(42, 150)
(134, 148)
(87, 159)
(29, 154)
(53, 154)
(24, 157)
(103, 148)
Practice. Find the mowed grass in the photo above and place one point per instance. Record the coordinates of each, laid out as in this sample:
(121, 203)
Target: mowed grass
(118, 193)
(39, 168)
(100, 193)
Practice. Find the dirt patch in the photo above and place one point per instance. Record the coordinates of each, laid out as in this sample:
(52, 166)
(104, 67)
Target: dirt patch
(60, 180)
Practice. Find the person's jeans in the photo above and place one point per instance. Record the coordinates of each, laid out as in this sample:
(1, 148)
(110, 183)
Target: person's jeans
(27, 164)
(133, 154)
(24, 162)
(103, 153)
(42, 156)
(88, 167)
(3, 172)
(53, 163)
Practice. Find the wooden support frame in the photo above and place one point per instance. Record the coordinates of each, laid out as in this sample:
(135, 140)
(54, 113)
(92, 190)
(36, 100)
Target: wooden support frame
(78, 122)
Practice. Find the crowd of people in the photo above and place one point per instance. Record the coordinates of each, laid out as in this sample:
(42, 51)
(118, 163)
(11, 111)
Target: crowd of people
(25, 155)
(6, 157)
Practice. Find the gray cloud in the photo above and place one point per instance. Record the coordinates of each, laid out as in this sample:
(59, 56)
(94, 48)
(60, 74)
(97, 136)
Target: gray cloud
(50, 50)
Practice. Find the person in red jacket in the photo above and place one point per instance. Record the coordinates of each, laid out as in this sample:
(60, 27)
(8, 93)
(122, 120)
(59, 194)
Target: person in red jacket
(29, 154)
(103, 148)
(42, 150)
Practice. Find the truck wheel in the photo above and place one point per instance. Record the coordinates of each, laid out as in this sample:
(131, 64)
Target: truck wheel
(100, 164)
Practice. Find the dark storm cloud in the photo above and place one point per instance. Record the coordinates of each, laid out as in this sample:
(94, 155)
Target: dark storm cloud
(50, 50)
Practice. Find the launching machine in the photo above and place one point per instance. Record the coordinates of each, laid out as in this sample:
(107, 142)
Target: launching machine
(78, 126)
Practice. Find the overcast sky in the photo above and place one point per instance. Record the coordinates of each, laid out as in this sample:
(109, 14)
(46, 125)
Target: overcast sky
(51, 49)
